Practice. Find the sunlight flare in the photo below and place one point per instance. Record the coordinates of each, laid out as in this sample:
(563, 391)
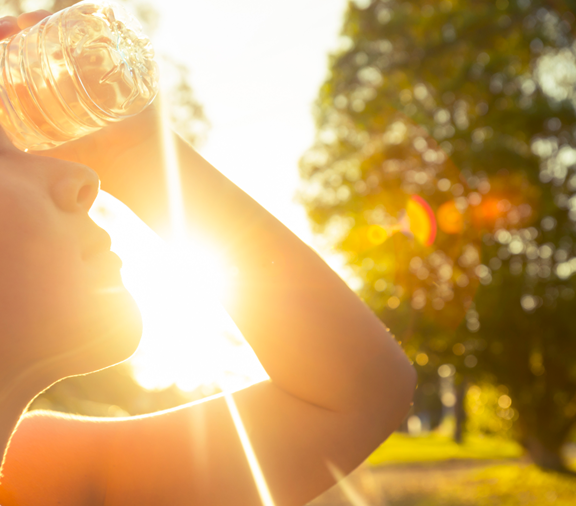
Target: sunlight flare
(171, 165)
(259, 479)
(189, 340)
(346, 486)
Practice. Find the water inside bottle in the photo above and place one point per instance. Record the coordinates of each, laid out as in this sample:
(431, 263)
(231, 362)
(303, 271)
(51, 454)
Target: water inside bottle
(73, 73)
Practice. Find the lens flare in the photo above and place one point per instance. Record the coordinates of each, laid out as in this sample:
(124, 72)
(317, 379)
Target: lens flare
(259, 479)
(378, 234)
(172, 169)
(346, 486)
(450, 219)
(179, 236)
(422, 222)
(416, 221)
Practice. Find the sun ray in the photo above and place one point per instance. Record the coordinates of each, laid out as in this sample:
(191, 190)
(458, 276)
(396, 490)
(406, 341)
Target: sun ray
(346, 486)
(179, 239)
(171, 167)
(259, 479)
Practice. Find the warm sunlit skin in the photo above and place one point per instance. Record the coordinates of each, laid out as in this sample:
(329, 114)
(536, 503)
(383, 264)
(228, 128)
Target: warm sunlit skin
(61, 286)
(339, 383)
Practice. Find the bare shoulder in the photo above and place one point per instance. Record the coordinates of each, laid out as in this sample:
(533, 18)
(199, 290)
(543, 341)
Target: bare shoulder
(204, 453)
(201, 453)
(54, 459)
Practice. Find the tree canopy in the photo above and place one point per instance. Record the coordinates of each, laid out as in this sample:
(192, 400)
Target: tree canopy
(444, 169)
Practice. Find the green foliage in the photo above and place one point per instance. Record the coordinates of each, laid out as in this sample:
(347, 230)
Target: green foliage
(490, 410)
(186, 114)
(469, 105)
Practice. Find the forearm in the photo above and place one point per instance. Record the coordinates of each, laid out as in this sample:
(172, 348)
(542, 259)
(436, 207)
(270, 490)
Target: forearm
(313, 335)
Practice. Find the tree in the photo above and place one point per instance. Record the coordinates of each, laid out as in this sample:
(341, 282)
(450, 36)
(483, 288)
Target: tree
(464, 110)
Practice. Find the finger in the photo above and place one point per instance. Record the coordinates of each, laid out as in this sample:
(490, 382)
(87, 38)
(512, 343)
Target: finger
(31, 18)
(8, 26)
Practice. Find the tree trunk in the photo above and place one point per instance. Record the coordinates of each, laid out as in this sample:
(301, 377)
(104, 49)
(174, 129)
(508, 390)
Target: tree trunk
(545, 457)
(460, 411)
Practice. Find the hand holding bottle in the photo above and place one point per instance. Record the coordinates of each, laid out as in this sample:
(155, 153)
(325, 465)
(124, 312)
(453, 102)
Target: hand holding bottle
(73, 73)
(116, 151)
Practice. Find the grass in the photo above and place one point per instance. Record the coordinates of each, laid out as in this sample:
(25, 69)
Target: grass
(501, 485)
(436, 447)
(514, 485)
(432, 470)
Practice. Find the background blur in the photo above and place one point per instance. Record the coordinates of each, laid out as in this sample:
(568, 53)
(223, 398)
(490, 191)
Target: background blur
(428, 151)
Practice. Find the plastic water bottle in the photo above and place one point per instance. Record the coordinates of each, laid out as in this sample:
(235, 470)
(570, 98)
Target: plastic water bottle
(73, 73)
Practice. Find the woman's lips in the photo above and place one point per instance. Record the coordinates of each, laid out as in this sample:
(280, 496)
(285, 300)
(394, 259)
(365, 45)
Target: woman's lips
(105, 269)
(99, 244)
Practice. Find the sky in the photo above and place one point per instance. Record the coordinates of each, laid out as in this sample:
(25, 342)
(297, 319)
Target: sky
(256, 67)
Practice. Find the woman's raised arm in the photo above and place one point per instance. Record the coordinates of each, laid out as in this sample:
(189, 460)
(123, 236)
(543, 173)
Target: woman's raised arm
(339, 383)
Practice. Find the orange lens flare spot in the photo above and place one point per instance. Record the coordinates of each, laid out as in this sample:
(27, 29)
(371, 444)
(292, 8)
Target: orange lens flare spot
(417, 221)
(422, 220)
(450, 219)
(486, 214)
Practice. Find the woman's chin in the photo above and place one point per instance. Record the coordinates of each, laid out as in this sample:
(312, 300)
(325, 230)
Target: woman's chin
(110, 333)
(122, 329)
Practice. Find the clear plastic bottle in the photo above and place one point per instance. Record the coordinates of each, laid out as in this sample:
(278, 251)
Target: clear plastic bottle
(73, 73)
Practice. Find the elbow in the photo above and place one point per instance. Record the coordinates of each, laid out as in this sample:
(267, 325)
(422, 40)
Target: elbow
(411, 382)
(400, 388)
(406, 386)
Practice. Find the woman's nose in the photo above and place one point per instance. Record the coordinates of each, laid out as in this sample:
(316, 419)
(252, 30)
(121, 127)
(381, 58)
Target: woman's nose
(76, 188)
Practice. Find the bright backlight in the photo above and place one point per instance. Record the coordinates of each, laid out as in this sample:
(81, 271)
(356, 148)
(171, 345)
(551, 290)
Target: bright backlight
(189, 340)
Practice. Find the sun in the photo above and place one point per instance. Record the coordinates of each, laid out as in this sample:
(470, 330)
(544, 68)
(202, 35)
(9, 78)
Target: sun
(188, 340)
